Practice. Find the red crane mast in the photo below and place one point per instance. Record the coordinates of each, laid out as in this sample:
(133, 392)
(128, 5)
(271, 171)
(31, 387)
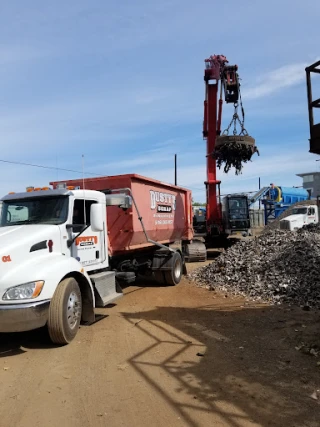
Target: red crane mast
(216, 70)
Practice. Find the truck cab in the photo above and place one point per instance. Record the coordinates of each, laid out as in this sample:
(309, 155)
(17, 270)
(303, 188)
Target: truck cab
(52, 242)
(235, 211)
(300, 216)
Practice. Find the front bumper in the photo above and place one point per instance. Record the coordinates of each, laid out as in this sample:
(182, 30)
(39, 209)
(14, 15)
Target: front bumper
(23, 317)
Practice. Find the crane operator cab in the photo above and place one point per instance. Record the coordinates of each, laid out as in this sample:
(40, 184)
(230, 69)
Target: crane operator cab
(199, 220)
(235, 212)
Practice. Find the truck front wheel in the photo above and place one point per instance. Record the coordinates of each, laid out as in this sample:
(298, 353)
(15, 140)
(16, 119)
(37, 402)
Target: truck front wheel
(65, 312)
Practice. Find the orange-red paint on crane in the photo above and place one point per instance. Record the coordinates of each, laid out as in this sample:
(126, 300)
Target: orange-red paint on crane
(216, 70)
(213, 209)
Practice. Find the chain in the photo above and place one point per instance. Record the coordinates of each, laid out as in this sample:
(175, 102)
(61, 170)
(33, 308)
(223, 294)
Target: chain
(243, 129)
(236, 118)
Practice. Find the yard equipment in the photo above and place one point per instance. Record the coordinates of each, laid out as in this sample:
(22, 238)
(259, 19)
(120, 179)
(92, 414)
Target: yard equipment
(223, 150)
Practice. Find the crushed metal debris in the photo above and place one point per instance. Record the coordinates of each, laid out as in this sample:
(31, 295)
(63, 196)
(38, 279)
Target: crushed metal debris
(276, 267)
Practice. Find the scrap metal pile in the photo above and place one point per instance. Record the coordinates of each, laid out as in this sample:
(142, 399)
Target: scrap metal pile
(277, 267)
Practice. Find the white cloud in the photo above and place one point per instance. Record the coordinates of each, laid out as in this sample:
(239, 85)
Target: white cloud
(273, 81)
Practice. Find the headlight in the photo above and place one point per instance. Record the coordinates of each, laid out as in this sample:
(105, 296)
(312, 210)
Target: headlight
(25, 291)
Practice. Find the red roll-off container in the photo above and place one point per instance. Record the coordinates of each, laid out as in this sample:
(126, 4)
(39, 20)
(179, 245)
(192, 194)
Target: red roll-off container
(166, 211)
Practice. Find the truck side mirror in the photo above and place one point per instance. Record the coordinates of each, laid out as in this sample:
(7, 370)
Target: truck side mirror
(96, 217)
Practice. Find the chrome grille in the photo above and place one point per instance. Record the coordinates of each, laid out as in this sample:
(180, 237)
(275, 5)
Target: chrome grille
(284, 225)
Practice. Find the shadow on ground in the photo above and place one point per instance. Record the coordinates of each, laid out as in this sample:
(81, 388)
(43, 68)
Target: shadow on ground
(236, 365)
(18, 343)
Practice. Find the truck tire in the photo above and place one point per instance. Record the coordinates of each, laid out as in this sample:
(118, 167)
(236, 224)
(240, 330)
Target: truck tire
(159, 277)
(65, 312)
(174, 275)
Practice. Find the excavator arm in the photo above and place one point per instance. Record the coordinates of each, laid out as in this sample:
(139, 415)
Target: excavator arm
(216, 69)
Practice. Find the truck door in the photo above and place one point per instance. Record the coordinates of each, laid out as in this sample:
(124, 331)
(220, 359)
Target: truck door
(311, 216)
(88, 246)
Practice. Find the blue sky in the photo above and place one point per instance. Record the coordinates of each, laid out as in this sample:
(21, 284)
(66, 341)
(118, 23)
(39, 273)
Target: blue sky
(122, 83)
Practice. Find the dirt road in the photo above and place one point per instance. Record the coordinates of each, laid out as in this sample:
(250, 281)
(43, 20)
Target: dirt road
(180, 356)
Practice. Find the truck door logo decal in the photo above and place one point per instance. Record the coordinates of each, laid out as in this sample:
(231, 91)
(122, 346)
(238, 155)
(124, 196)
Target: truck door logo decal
(86, 241)
(6, 258)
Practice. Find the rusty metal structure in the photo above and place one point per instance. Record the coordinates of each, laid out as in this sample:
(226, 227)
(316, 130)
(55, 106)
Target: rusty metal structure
(313, 103)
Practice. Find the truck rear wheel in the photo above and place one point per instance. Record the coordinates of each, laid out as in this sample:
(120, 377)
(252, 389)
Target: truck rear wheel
(65, 312)
(174, 275)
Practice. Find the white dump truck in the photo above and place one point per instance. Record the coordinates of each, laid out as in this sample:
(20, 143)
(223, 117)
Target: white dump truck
(66, 250)
(300, 216)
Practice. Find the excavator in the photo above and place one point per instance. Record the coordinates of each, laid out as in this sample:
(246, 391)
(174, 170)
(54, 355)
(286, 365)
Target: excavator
(227, 218)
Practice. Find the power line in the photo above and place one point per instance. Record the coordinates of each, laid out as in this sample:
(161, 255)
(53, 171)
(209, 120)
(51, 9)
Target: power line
(66, 170)
(87, 173)
(45, 167)
(63, 169)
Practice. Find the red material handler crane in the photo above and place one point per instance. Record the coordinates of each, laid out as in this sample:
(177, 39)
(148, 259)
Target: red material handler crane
(231, 150)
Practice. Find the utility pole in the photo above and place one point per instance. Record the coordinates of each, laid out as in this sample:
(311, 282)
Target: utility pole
(259, 189)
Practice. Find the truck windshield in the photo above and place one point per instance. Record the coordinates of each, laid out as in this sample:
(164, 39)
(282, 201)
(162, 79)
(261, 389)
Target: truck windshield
(42, 210)
(200, 215)
(299, 211)
(238, 208)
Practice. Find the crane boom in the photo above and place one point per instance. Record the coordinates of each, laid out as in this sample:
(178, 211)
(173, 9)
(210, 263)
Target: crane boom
(216, 70)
